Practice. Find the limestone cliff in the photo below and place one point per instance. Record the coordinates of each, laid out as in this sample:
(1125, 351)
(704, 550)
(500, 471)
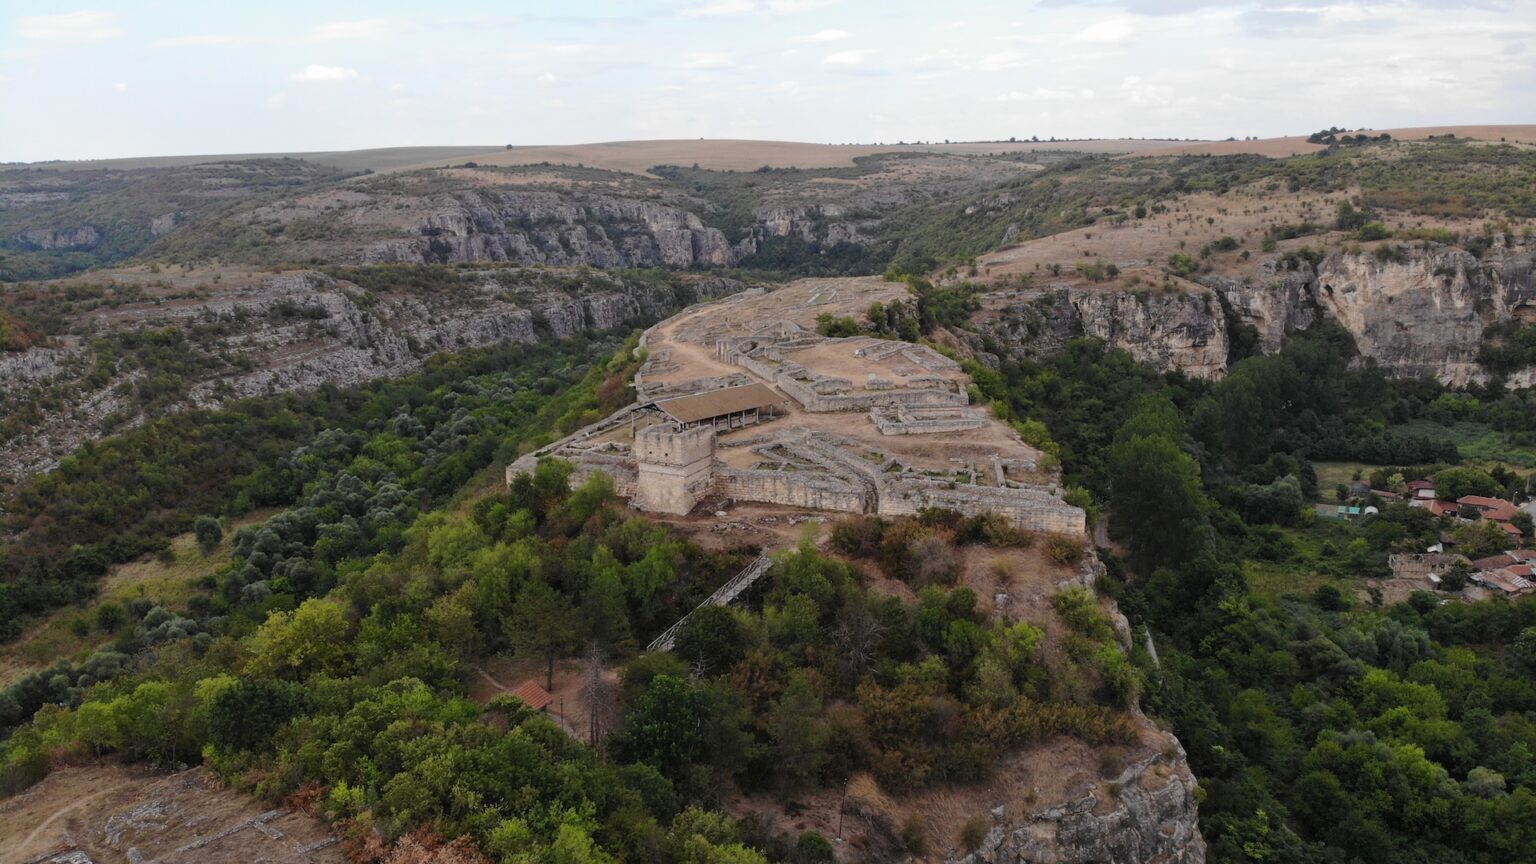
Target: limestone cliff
(298, 330)
(1168, 330)
(540, 227)
(1411, 311)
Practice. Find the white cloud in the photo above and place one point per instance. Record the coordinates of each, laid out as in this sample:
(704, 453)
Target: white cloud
(1045, 94)
(718, 8)
(1145, 92)
(314, 72)
(1108, 30)
(847, 59)
(364, 30)
(721, 8)
(784, 7)
(546, 78)
(709, 60)
(1000, 60)
(199, 39)
(819, 37)
(120, 87)
(82, 26)
(277, 100)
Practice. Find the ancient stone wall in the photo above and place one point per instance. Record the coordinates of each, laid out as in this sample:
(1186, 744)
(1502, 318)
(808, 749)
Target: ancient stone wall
(863, 400)
(790, 489)
(900, 421)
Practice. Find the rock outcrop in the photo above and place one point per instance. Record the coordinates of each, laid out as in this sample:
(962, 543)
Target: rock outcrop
(1411, 311)
(81, 237)
(1147, 816)
(299, 330)
(1170, 330)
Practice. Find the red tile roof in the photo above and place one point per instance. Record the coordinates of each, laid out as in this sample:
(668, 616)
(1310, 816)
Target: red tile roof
(1441, 508)
(530, 692)
(1493, 562)
(1496, 509)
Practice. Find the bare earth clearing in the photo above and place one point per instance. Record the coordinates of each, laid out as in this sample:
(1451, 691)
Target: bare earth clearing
(108, 811)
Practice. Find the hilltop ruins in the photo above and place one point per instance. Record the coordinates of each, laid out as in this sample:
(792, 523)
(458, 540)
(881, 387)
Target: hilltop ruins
(742, 400)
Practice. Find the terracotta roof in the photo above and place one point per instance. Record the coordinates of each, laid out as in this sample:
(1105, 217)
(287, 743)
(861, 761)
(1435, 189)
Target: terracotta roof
(715, 403)
(1496, 509)
(1440, 508)
(1520, 570)
(530, 692)
(1493, 562)
(1416, 485)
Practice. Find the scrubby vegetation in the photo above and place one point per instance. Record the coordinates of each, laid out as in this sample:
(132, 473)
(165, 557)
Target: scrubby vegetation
(333, 648)
(422, 437)
(1322, 725)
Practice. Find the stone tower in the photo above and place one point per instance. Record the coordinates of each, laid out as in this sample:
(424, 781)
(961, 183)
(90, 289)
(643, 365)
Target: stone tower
(673, 468)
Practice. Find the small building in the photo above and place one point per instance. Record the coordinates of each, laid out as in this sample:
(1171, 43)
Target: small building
(1426, 565)
(726, 408)
(533, 695)
(1421, 490)
(1496, 509)
(1505, 581)
(1439, 508)
(1494, 562)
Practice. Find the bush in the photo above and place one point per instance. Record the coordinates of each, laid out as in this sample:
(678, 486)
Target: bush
(975, 831)
(208, 532)
(1080, 611)
(914, 835)
(812, 848)
(1063, 549)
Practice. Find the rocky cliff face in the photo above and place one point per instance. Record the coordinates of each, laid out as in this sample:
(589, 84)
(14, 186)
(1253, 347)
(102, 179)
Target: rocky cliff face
(1172, 331)
(538, 227)
(82, 237)
(1146, 815)
(300, 329)
(1421, 312)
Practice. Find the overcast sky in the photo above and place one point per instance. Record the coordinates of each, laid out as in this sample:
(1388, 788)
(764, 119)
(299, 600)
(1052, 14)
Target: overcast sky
(129, 79)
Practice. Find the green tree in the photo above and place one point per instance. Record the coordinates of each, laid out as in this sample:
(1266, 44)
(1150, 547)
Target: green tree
(208, 532)
(543, 624)
(312, 638)
(1155, 487)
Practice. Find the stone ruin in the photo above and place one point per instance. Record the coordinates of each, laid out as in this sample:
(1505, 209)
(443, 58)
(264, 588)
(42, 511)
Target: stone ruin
(896, 391)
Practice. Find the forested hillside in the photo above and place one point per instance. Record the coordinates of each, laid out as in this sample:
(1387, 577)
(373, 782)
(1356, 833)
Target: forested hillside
(1324, 723)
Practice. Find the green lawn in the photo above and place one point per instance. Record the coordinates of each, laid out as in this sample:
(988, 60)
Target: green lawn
(1477, 442)
(1331, 474)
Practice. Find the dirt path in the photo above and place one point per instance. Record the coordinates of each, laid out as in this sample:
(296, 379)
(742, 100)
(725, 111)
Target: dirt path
(492, 681)
(58, 814)
(693, 361)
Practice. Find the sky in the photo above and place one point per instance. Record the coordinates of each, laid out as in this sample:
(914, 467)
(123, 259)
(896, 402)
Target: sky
(160, 78)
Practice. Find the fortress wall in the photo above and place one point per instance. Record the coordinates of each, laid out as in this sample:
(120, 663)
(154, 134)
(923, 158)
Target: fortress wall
(928, 426)
(863, 400)
(621, 472)
(790, 489)
(1027, 509)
